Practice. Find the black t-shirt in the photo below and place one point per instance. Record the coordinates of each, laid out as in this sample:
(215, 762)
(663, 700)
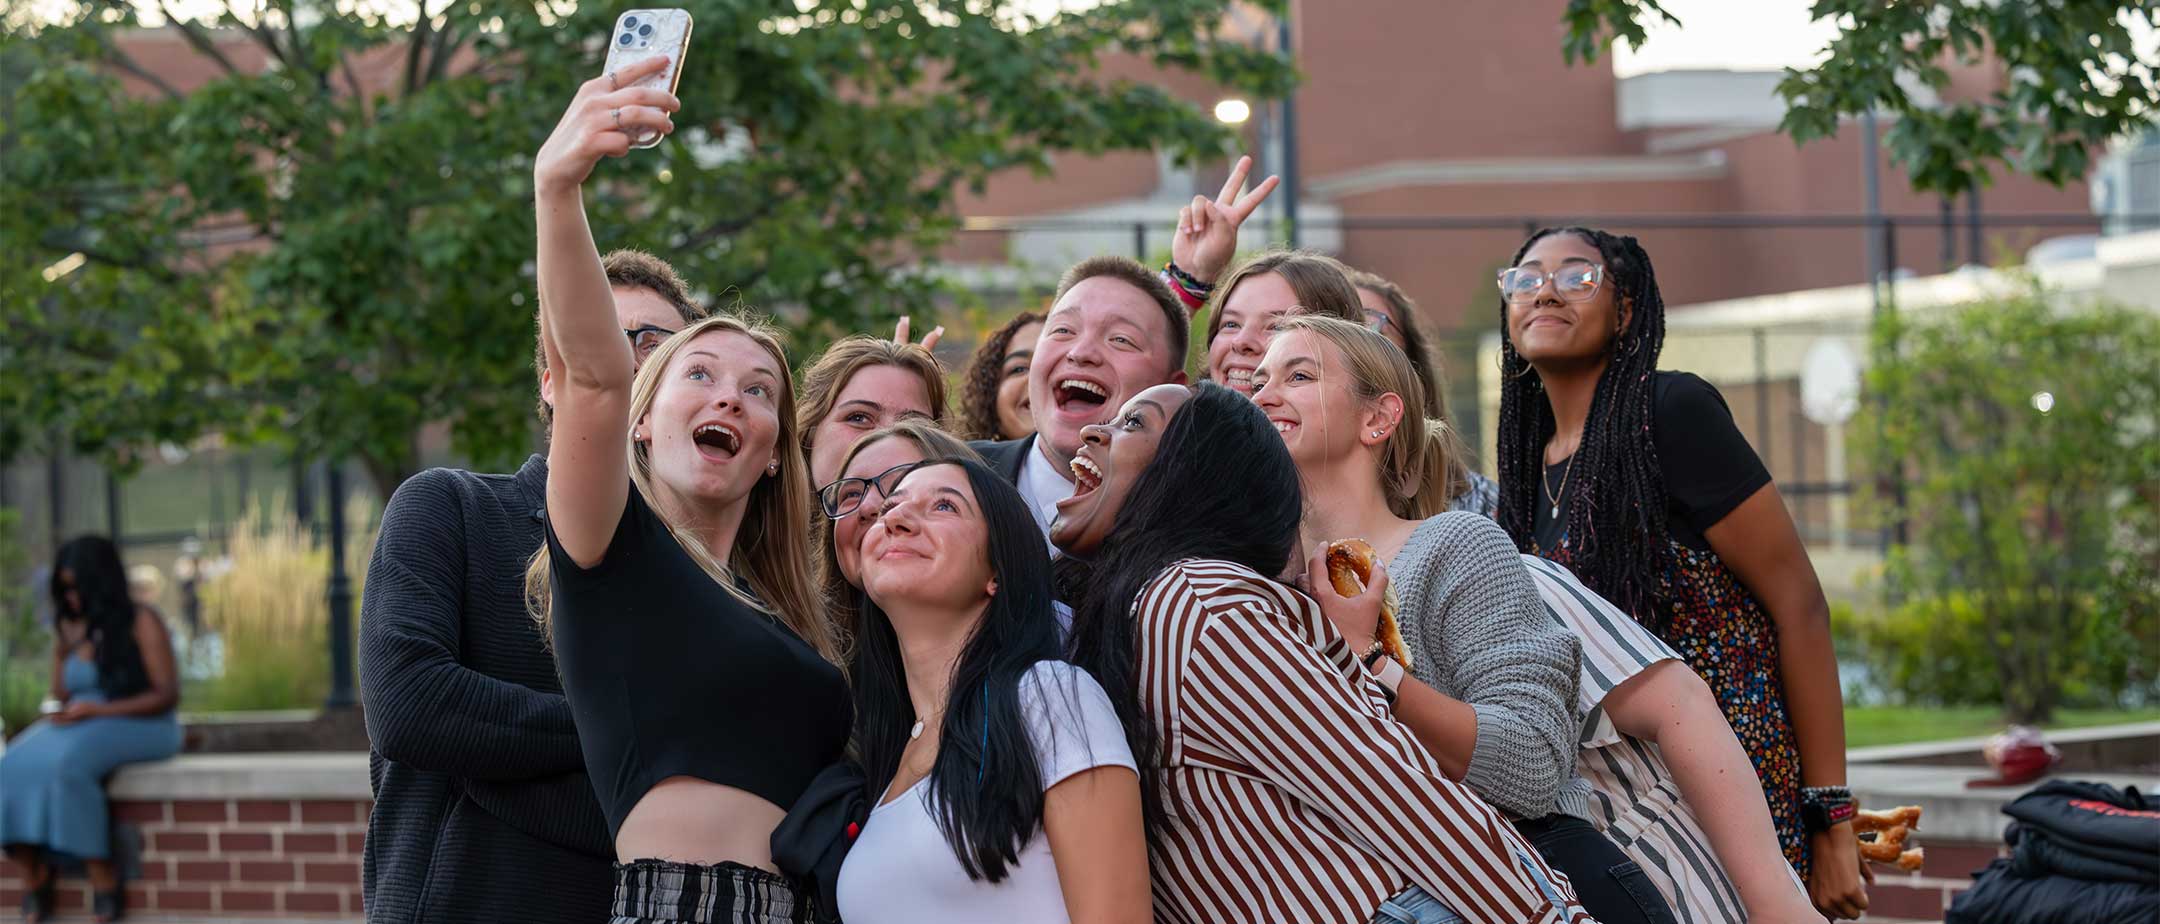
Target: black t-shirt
(1708, 465)
(669, 674)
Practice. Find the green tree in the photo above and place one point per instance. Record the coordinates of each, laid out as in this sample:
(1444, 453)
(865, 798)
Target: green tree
(325, 245)
(2025, 435)
(2075, 79)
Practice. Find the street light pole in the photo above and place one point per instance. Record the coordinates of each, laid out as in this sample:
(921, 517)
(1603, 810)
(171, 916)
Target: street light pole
(1289, 133)
(341, 654)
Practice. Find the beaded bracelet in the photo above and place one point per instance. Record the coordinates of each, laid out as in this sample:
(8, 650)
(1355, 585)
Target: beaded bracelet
(1187, 280)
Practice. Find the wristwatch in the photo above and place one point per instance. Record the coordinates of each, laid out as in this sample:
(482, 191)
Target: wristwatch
(1825, 807)
(1386, 670)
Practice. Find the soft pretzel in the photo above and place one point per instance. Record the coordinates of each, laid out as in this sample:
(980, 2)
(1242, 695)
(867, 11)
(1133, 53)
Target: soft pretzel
(1885, 819)
(1882, 836)
(1887, 845)
(1349, 568)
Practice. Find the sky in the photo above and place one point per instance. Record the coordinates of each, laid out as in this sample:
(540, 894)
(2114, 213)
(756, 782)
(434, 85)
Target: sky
(1736, 34)
(1750, 34)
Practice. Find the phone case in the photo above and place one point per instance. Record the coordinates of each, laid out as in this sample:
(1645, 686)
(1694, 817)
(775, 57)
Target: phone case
(641, 34)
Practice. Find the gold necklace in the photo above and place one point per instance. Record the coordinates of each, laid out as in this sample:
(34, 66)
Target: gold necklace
(1545, 481)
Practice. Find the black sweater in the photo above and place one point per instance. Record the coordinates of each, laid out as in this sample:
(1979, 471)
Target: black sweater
(482, 809)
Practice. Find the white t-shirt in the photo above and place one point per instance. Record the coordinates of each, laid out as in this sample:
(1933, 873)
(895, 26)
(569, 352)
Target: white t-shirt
(901, 870)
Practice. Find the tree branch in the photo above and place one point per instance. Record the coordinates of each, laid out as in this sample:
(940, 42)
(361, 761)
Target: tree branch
(126, 64)
(731, 225)
(198, 40)
(413, 49)
(352, 80)
(267, 39)
(444, 46)
(147, 264)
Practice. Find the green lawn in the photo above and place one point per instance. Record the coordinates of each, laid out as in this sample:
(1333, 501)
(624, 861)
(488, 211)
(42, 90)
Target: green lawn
(1866, 726)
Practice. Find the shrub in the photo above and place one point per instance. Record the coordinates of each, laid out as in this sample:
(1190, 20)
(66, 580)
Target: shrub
(2024, 435)
(267, 607)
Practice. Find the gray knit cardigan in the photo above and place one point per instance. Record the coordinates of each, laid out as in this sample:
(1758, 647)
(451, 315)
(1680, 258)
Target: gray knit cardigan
(1478, 632)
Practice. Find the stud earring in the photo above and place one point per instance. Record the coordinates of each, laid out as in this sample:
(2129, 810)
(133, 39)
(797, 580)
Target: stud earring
(773, 467)
(1377, 434)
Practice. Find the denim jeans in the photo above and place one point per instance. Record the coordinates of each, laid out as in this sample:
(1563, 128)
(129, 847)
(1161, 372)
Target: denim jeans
(1414, 905)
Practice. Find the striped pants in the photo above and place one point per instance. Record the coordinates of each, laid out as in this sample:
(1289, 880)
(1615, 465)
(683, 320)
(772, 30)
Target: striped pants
(660, 892)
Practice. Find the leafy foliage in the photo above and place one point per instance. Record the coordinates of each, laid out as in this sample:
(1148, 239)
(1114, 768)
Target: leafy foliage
(2074, 79)
(325, 246)
(265, 608)
(25, 643)
(2026, 438)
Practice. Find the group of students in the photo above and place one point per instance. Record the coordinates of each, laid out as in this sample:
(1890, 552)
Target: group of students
(780, 648)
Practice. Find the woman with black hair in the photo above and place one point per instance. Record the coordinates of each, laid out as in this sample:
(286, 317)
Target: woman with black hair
(1277, 785)
(993, 389)
(1639, 481)
(973, 732)
(113, 673)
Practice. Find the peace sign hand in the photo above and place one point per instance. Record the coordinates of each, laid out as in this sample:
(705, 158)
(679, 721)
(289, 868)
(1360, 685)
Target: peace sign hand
(1207, 230)
(606, 116)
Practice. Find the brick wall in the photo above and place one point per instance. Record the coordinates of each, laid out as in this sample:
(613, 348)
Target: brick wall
(234, 858)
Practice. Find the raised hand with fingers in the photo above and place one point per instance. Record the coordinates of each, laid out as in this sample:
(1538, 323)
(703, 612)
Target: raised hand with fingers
(1207, 230)
(603, 119)
(929, 340)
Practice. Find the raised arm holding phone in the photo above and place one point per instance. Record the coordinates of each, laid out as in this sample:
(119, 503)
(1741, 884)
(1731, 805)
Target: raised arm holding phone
(674, 576)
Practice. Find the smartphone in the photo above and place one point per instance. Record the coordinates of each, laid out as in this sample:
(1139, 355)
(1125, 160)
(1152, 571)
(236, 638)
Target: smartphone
(641, 34)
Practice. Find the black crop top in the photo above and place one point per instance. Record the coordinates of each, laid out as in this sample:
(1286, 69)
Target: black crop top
(670, 675)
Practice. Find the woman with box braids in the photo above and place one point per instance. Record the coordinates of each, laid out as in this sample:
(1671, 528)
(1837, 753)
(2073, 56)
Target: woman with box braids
(1639, 482)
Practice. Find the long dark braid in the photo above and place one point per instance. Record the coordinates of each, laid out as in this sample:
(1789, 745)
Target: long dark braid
(1616, 524)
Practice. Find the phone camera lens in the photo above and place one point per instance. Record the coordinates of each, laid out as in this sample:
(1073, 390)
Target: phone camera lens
(629, 22)
(625, 39)
(644, 30)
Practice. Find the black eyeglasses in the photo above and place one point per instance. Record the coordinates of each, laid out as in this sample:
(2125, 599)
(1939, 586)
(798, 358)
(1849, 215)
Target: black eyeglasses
(645, 338)
(1574, 281)
(847, 495)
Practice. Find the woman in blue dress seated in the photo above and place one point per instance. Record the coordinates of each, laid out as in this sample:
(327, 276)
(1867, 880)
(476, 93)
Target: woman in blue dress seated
(113, 675)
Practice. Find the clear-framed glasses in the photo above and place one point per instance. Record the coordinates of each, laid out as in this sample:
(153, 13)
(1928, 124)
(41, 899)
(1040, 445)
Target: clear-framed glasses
(847, 495)
(1378, 321)
(1574, 281)
(645, 338)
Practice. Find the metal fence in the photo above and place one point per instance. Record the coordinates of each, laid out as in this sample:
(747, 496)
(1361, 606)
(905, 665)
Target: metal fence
(1446, 262)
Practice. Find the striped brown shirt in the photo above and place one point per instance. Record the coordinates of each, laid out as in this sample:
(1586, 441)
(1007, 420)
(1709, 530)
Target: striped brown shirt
(1292, 793)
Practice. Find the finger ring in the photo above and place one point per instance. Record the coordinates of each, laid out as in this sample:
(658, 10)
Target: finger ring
(618, 119)
(614, 82)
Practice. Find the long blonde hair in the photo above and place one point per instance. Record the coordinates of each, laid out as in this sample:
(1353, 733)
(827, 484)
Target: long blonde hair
(1421, 463)
(768, 551)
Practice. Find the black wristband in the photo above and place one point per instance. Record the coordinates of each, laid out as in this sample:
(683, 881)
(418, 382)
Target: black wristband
(1822, 814)
(1187, 280)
